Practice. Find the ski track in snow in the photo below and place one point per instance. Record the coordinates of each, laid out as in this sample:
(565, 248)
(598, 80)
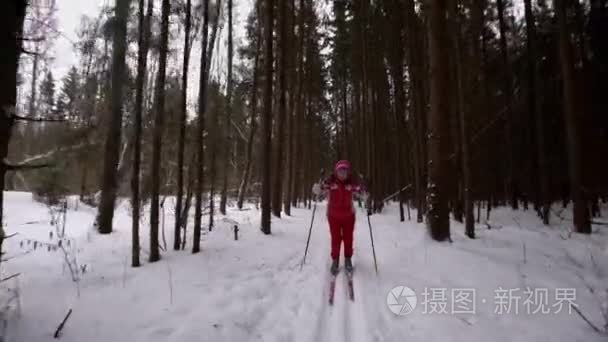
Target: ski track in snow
(324, 315)
(347, 320)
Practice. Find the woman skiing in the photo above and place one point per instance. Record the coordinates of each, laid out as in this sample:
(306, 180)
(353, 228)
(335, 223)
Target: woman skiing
(341, 186)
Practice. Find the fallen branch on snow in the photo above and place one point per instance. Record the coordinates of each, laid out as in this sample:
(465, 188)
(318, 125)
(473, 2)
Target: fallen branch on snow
(523, 243)
(170, 282)
(10, 277)
(60, 327)
(10, 236)
(567, 236)
(489, 226)
(17, 255)
(593, 326)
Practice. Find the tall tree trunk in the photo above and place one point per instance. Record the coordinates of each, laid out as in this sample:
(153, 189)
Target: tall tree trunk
(571, 89)
(464, 123)
(534, 110)
(211, 43)
(253, 117)
(511, 182)
(158, 131)
(291, 111)
(83, 181)
(299, 108)
(142, 58)
(417, 105)
(212, 146)
(579, 13)
(397, 71)
(437, 219)
(277, 196)
(34, 84)
(113, 138)
(11, 24)
(189, 193)
(182, 130)
(202, 103)
(214, 134)
(267, 118)
(228, 140)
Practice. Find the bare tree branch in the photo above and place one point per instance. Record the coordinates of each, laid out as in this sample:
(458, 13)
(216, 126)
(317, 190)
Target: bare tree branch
(49, 154)
(27, 52)
(23, 118)
(239, 131)
(33, 39)
(23, 166)
(10, 277)
(10, 236)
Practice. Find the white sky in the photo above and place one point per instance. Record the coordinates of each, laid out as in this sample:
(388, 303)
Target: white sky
(70, 13)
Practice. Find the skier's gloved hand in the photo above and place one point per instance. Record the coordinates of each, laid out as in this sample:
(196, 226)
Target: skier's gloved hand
(316, 189)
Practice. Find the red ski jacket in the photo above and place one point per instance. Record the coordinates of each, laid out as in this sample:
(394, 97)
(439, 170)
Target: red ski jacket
(340, 202)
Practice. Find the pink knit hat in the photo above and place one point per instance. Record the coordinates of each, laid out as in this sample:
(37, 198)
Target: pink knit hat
(342, 164)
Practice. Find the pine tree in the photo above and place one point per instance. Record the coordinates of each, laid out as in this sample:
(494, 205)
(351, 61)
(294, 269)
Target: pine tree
(67, 99)
(159, 107)
(113, 137)
(511, 185)
(47, 95)
(277, 196)
(182, 129)
(437, 216)
(144, 21)
(202, 104)
(253, 105)
(11, 23)
(534, 111)
(228, 125)
(267, 116)
(571, 89)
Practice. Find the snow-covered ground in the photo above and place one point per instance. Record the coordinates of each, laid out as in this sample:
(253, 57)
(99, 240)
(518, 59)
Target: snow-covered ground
(253, 290)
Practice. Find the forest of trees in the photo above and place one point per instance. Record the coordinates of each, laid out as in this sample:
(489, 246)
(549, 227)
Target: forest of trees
(447, 107)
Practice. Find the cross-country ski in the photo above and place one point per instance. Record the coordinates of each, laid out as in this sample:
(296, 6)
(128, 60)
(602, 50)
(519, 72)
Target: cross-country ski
(332, 288)
(350, 289)
(350, 285)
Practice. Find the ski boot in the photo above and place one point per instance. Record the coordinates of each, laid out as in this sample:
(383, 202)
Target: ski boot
(348, 265)
(335, 264)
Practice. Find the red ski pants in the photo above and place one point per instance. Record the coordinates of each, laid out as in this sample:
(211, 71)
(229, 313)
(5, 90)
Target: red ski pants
(341, 229)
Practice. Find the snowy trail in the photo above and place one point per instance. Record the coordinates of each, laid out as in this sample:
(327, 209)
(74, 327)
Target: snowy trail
(346, 320)
(367, 307)
(335, 321)
(321, 329)
(253, 290)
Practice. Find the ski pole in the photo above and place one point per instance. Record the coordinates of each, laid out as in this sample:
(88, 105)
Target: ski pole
(314, 209)
(369, 224)
(371, 236)
(397, 193)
